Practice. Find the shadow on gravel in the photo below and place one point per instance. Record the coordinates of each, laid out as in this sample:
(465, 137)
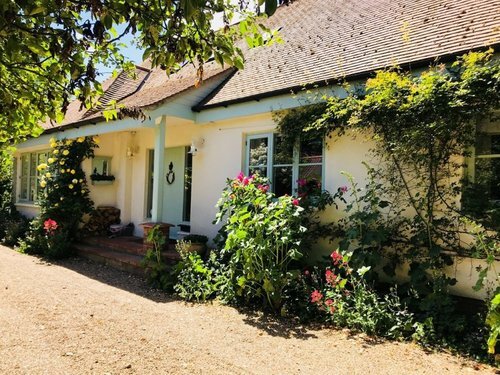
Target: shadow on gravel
(275, 326)
(118, 279)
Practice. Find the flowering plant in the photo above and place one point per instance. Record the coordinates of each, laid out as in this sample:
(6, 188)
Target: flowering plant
(264, 235)
(64, 197)
(50, 226)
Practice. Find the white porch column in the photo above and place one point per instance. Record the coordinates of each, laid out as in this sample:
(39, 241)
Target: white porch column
(159, 171)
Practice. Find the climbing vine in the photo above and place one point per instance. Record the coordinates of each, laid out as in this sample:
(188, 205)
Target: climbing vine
(424, 127)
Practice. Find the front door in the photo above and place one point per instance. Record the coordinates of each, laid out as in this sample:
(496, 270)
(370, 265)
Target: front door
(177, 191)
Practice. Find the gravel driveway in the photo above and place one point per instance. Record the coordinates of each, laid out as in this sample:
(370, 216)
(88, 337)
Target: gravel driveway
(77, 317)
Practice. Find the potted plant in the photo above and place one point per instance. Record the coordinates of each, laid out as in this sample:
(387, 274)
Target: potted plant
(197, 242)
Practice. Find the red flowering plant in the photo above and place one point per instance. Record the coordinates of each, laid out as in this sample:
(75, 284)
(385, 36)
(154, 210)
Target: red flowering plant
(336, 283)
(262, 237)
(50, 226)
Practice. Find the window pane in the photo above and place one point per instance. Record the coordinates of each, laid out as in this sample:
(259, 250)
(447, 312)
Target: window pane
(311, 151)
(33, 182)
(488, 175)
(282, 180)
(33, 165)
(262, 171)
(310, 173)
(24, 188)
(258, 150)
(283, 152)
(488, 144)
(42, 158)
(24, 165)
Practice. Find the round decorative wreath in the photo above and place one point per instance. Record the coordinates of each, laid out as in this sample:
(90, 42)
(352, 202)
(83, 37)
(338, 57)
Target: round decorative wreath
(170, 177)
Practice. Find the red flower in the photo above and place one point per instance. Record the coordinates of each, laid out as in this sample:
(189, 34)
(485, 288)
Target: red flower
(301, 182)
(49, 226)
(263, 188)
(330, 277)
(246, 181)
(295, 202)
(343, 189)
(240, 176)
(306, 273)
(316, 296)
(336, 257)
(330, 306)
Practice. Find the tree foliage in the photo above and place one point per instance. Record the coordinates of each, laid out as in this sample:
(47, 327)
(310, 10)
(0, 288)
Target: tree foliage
(50, 49)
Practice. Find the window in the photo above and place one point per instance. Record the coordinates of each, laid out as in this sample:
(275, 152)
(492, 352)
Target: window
(487, 164)
(29, 188)
(284, 164)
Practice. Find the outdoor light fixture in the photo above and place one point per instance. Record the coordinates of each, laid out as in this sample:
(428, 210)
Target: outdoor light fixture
(132, 148)
(195, 145)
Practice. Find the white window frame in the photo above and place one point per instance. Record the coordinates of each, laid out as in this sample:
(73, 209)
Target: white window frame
(471, 165)
(270, 158)
(29, 199)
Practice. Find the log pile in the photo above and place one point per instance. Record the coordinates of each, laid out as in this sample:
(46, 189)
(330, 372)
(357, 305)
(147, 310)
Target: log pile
(100, 220)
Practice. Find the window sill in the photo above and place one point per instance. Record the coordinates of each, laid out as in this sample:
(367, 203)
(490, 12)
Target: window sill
(27, 205)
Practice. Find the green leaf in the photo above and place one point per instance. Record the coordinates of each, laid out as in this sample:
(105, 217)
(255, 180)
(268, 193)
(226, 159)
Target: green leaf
(271, 6)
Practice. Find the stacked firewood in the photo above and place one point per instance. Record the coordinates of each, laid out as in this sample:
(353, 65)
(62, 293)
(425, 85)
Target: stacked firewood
(100, 220)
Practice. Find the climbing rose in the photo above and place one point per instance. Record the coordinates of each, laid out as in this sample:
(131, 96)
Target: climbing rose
(295, 202)
(336, 257)
(316, 296)
(343, 189)
(240, 177)
(50, 226)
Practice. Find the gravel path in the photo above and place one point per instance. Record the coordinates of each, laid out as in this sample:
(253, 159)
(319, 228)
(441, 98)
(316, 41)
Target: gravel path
(77, 317)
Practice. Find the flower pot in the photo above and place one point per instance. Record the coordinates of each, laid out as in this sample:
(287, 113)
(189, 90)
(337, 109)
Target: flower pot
(147, 227)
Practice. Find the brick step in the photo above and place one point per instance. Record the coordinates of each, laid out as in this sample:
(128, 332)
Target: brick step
(115, 259)
(121, 260)
(127, 244)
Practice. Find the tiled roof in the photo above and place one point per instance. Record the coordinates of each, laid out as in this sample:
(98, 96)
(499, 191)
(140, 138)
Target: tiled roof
(331, 39)
(148, 87)
(324, 40)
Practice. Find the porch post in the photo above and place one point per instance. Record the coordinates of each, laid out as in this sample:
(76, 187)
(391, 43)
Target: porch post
(158, 171)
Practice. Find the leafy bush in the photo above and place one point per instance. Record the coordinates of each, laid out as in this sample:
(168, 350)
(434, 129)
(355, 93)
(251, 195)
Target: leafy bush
(196, 280)
(342, 297)
(160, 275)
(14, 227)
(493, 322)
(264, 235)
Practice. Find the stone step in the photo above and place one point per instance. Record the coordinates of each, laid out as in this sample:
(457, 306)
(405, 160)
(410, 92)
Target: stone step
(119, 260)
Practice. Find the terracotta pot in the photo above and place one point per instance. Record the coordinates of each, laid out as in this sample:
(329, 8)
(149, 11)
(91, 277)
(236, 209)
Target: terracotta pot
(164, 229)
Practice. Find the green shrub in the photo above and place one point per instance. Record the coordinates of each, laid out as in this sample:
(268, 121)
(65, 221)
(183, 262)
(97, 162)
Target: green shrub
(342, 297)
(160, 275)
(196, 280)
(493, 322)
(14, 228)
(264, 235)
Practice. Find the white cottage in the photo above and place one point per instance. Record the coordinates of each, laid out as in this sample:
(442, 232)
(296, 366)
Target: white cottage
(172, 165)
